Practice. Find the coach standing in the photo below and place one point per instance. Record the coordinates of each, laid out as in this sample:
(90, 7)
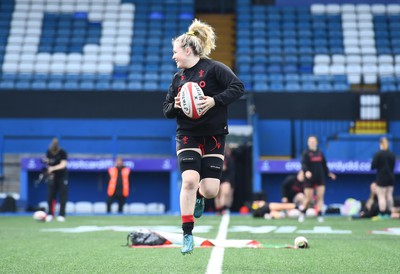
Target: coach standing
(56, 159)
(118, 185)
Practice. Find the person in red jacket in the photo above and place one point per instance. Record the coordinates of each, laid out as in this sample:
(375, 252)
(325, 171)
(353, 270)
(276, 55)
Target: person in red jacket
(118, 186)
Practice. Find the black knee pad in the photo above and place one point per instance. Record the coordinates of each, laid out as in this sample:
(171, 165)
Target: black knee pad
(211, 167)
(189, 160)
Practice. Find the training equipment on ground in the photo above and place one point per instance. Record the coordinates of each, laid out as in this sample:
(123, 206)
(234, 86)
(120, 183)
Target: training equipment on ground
(191, 95)
(301, 242)
(39, 216)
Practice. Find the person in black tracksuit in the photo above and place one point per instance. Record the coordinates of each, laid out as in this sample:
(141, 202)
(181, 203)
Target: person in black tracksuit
(56, 159)
(200, 143)
(384, 162)
(292, 188)
(315, 170)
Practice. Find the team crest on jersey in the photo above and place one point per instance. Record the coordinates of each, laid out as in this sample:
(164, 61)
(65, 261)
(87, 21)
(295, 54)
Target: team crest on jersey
(201, 73)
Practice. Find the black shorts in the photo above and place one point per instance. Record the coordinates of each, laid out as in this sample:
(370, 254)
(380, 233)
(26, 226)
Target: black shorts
(225, 178)
(313, 183)
(214, 144)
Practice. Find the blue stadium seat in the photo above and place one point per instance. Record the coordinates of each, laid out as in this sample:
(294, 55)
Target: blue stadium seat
(276, 59)
(71, 85)
(305, 68)
(292, 77)
(55, 85)
(308, 86)
(25, 76)
(276, 86)
(9, 77)
(277, 77)
(164, 85)
(259, 77)
(151, 76)
(87, 85)
(119, 85)
(258, 68)
(260, 87)
(324, 87)
(151, 86)
(388, 87)
(291, 59)
(341, 87)
(103, 85)
(274, 69)
(289, 68)
(292, 86)
(152, 67)
(39, 85)
(23, 85)
(305, 50)
(387, 79)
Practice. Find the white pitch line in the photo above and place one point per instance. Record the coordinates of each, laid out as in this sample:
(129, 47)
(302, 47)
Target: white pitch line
(217, 254)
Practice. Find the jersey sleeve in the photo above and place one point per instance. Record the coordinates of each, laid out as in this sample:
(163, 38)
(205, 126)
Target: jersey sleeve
(374, 164)
(234, 88)
(63, 155)
(305, 161)
(325, 165)
(168, 104)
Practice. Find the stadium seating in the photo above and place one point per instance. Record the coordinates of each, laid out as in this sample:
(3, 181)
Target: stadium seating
(357, 42)
(131, 44)
(79, 37)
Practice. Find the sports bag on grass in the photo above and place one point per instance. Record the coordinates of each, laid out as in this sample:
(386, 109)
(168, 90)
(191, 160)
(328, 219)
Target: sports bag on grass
(145, 237)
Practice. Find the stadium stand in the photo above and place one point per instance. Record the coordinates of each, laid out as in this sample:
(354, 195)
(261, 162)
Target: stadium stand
(66, 39)
(348, 44)
(74, 45)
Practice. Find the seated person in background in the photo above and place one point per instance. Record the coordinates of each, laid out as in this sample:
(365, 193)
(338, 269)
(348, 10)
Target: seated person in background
(292, 188)
(396, 208)
(260, 208)
(370, 207)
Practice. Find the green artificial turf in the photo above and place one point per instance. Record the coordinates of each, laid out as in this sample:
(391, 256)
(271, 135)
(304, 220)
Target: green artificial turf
(27, 248)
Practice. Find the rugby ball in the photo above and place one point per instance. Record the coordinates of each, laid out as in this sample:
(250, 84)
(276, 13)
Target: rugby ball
(301, 242)
(40, 216)
(191, 94)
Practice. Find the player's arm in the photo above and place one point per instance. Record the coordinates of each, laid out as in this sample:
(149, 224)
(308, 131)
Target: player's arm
(305, 165)
(61, 165)
(326, 169)
(374, 164)
(234, 88)
(171, 104)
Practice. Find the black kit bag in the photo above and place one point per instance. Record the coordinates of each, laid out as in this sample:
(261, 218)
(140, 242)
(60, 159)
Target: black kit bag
(9, 205)
(145, 237)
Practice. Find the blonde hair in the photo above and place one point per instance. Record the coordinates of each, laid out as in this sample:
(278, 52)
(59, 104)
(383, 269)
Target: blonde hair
(200, 38)
(54, 147)
(384, 142)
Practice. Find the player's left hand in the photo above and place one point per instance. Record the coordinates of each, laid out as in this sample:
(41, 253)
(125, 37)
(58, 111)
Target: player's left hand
(332, 176)
(177, 101)
(206, 104)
